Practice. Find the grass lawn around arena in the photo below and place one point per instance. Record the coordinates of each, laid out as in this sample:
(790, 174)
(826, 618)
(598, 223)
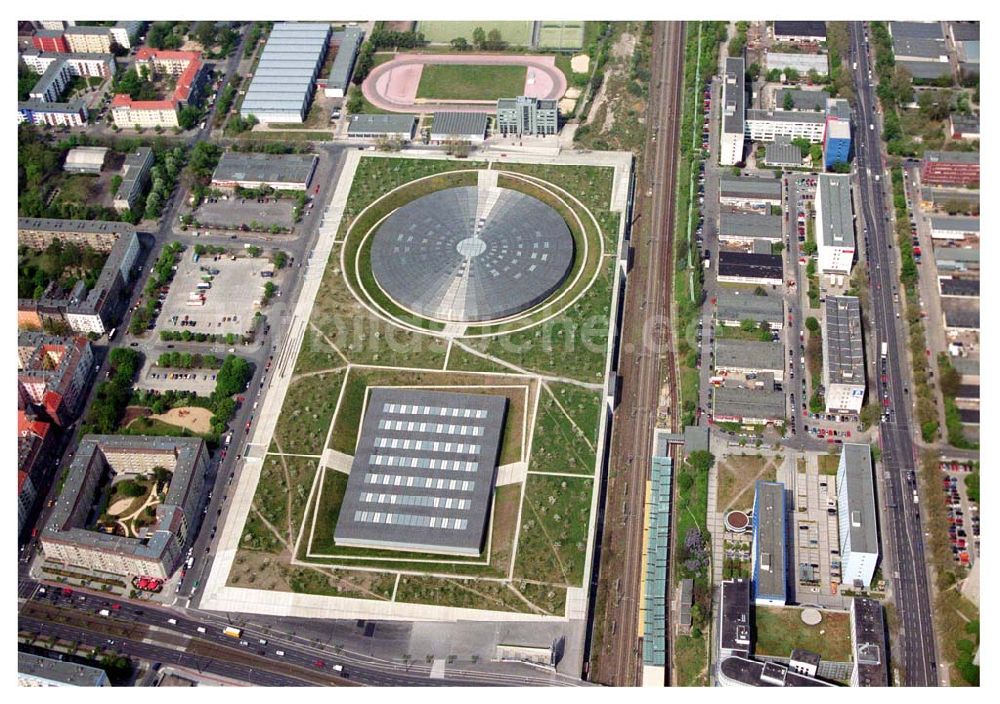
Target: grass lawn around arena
(554, 521)
(471, 82)
(538, 526)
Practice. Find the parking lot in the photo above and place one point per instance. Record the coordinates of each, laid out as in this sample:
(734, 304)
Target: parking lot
(233, 212)
(229, 299)
(963, 514)
(200, 381)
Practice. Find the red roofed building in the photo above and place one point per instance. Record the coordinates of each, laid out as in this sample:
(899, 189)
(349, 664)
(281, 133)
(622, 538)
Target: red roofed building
(34, 447)
(53, 372)
(50, 40)
(184, 65)
(950, 168)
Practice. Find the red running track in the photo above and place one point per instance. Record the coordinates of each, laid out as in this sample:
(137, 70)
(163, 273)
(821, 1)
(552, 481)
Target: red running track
(393, 85)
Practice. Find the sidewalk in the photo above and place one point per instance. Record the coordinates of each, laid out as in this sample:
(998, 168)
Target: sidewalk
(215, 587)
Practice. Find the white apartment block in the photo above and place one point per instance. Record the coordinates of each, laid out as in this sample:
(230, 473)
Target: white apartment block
(859, 553)
(85, 322)
(126, 116)
(835, 237)
(52, 84)
(125, 32)
(733, 111)
(85, 65)
(54, 114)
(766, 125)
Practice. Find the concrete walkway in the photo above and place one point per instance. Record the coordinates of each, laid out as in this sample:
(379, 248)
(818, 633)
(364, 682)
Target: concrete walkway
(337, 460)
(215, 596)
(512, 473)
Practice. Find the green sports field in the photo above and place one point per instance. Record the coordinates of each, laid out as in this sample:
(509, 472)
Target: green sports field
(471, 82)
(561, 35)
(442, 32)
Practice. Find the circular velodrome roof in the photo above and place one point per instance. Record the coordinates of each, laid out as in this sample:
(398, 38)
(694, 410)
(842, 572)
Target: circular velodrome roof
(469, 254)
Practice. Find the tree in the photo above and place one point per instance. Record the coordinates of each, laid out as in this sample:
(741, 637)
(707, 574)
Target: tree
(902, 85)
(355, 101)
(479, 38)
(700, 460)
(279, 259)
(188, 117)
(935, 105)
(233, 375)
(950, 379)
(364, 63)
(803, 144)
(460, 44)
(870, 415)
(788, 102)
(494, 41)
(130, 488)
(812, 325)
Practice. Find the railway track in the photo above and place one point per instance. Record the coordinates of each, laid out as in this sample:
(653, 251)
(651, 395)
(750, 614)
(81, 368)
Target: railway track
(646, 345)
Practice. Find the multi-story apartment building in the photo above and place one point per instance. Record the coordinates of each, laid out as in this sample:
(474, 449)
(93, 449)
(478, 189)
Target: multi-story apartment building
(86, 65)
(843, 355)
(126, 33)
(35, 445)
(88, 40)
(733, 113)
(38, 671)
(38, 112)
(184, 66)
(766, 125)
(53, 372)
(84, 311)
(71, 538)
(527, 116)
(859, 553)
(50, 40)
(871, 664)
(52, 84)
(837, 139)
(835, 234)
